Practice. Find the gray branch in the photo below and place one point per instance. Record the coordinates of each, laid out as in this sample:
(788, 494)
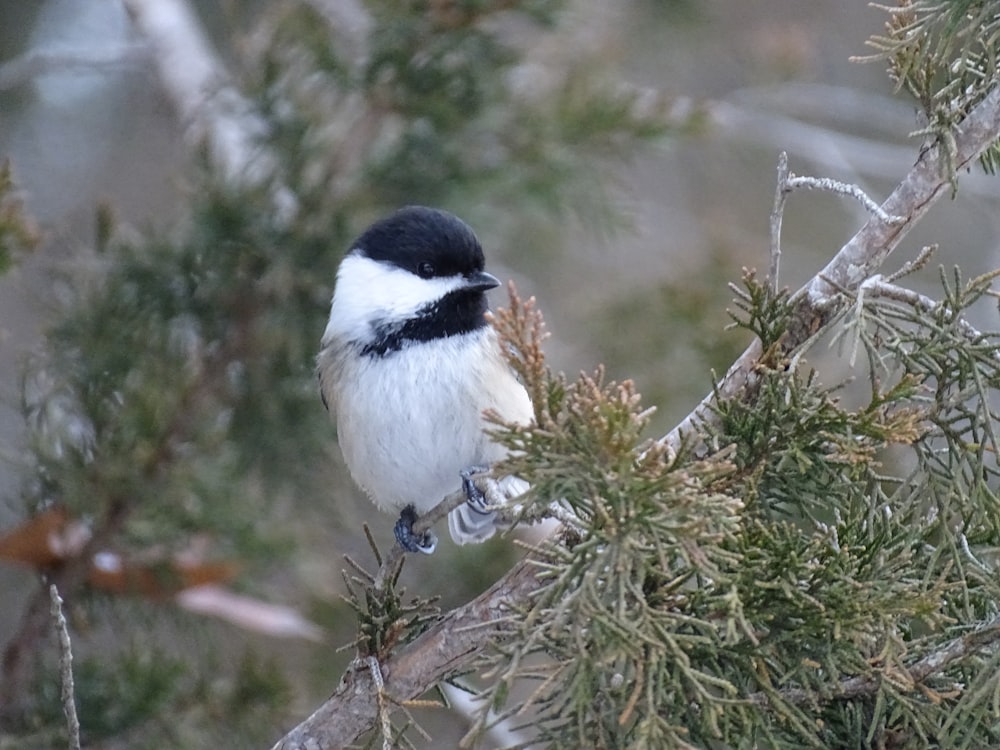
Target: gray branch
(878, 286)
(31, 65)
(860, 258)
(464, 632)
(984, 636)
(210, 108)
(65, 669)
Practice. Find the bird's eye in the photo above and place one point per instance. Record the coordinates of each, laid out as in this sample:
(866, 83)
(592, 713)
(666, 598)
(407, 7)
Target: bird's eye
(425, 269)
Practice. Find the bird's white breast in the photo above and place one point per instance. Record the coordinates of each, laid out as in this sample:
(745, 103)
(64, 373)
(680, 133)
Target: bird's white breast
(409, 422)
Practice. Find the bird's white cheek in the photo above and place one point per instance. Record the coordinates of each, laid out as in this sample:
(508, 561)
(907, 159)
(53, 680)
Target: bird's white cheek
(369, 293)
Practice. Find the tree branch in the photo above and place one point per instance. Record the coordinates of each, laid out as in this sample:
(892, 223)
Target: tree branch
(413, 669)
(878, 286)
(210, 108)
(31, 65)
(860, 258)
(982, 637)
(65, 669)
(464, 632)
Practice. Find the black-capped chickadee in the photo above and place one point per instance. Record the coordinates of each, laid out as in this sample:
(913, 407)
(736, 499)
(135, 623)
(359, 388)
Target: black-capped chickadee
(408, 365)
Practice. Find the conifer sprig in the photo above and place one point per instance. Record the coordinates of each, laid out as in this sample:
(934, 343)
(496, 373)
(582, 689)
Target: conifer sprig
(786, 585)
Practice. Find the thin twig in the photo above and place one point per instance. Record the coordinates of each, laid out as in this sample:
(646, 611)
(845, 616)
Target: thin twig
(383, 710)
(65, 669)
(424, 523)
(781, 191)
(844, 188)
(914, 264)
(934, 663)
(787, 182)
(386, 571)
(878, 286)
(36, 63)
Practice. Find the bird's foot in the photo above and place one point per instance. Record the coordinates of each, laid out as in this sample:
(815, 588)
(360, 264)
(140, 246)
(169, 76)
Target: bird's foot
(408, 539)
(474, 496)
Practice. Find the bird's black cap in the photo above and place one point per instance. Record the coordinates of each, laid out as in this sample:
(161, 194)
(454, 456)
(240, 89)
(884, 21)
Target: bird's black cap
(425, 241)
(428, 243)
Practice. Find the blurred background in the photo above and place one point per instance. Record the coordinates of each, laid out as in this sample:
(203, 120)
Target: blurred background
(627, 229)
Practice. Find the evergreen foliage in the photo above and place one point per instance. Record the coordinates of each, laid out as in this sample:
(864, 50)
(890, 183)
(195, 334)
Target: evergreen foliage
(943, 53)
(801, 573)
(786, 590)
(175, 400)
(17, 231)
(820, 576)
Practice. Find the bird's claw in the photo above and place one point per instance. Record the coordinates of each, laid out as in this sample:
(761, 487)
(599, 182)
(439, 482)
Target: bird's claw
(410, 541)
(474, 496)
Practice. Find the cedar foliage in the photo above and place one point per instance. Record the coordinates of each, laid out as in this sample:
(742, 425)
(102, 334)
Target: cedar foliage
(804, 573)
(175, 401)
(785, 589)
(17, 231)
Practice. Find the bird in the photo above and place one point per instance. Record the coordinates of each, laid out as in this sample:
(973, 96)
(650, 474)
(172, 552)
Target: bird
(409, 363)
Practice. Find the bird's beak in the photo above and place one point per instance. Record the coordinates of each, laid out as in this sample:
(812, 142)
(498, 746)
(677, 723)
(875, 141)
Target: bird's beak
(481, 282)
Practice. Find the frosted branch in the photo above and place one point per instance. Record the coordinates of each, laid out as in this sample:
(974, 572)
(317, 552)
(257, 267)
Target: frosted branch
(843, 188)
(452, 642)
(210, 108)
(31, 65)
(777, 214)
(879, 286)
(65, 669)
(860, 258)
